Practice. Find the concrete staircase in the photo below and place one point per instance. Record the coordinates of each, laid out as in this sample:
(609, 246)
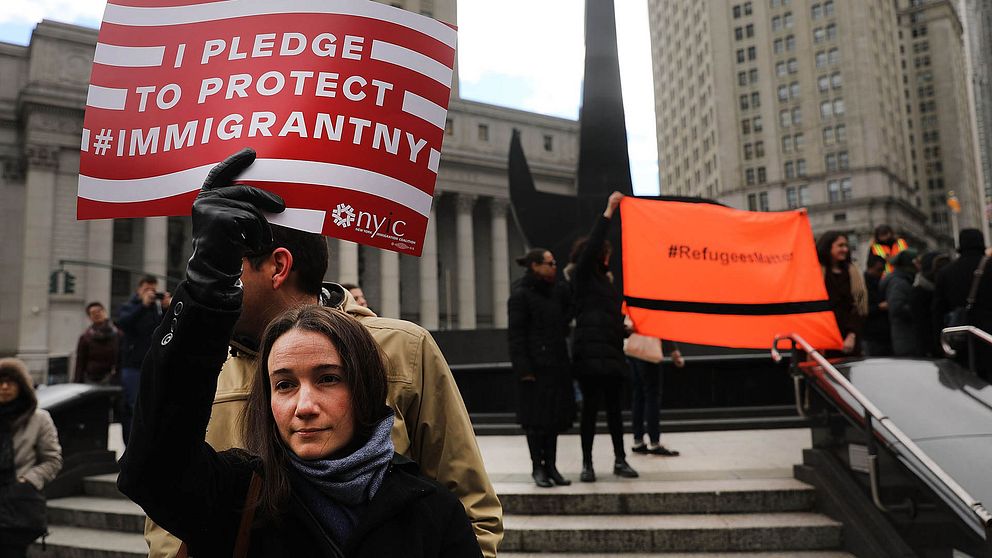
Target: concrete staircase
(756, 517)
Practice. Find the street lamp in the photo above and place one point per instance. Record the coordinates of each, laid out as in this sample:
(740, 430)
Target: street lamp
(955, 205)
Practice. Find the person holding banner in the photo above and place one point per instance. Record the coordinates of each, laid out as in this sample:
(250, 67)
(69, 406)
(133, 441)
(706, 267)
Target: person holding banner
(431, 425)
(538, 311)
(320, 477)
(597, 343)
(845, 288)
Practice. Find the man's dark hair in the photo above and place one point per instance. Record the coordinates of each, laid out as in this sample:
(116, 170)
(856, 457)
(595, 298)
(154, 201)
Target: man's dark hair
(309, 252)
(148, 280)
(533, 256)
(882, 230)
(92, 304)
(349, 286)
(579, 246)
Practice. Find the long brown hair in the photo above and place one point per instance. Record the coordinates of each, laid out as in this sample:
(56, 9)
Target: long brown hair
(364, 373)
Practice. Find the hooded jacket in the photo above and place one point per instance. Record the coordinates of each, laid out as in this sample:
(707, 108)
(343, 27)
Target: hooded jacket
(431, 426)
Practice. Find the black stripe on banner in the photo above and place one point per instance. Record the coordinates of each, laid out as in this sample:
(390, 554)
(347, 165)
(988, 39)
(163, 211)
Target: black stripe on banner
(768, 309)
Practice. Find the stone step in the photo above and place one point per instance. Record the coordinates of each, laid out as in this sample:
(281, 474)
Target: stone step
(102, 486)
(78, 542)
(658, 497)
(109, 514)
(793, 554)
(667, 533)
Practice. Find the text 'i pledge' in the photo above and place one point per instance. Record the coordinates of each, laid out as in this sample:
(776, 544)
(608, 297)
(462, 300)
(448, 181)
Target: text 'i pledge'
(330, 127)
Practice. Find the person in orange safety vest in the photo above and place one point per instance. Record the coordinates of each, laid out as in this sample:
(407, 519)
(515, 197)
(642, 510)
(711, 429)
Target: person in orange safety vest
(886, 245)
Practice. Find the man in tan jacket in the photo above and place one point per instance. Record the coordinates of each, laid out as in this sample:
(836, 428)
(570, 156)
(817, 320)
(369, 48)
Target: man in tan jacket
(432, 426)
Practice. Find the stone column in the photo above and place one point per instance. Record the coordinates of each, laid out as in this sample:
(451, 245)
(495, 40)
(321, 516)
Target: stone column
(347, 262)
(156, 249)
(429, 313)
(389, 284)
(99, 248)
(500, 250)
(466, 261)
(39, 199)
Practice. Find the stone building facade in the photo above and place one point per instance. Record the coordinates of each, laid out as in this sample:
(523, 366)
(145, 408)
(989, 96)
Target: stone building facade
(462, 280)
(778, 104)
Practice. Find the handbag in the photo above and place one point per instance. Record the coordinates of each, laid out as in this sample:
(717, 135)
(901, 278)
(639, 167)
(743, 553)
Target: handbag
(961, 315)
(643, 347)
(23, 513)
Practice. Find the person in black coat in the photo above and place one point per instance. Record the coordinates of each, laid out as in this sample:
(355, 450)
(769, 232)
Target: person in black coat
(951, 292)
(137, 319)
(538, 311)
(877, 338)
(898, 289)
(921, 303)
(599, 363)
(317, 433)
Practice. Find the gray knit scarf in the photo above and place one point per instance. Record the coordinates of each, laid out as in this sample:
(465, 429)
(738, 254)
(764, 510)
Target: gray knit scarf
(355, 478)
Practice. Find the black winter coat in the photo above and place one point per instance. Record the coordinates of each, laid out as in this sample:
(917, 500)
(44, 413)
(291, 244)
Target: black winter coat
(137, 321)
(597, 343)
(538, 331)
(951, 291)
(198, 494)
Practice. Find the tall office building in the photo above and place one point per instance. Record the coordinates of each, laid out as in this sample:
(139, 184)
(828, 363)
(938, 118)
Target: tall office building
(978, 24)
(777, 104)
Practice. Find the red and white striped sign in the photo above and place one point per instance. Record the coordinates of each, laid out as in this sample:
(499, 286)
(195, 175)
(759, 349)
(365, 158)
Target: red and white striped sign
(343, 100)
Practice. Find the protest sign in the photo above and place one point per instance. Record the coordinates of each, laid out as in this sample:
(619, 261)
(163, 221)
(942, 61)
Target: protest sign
(712, 275)
(344, 101)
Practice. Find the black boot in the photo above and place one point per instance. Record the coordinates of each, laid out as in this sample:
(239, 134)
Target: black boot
(550, 455)
(541, 477)
(622, 469)
(588, 475)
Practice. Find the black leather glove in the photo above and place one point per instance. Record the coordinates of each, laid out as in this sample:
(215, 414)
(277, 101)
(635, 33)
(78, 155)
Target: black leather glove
(227, 224)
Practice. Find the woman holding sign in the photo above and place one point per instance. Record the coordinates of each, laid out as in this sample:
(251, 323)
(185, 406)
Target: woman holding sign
(597, 344)
(845, 288)
(320, 476)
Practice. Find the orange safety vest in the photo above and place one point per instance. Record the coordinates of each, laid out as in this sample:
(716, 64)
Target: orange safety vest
(886, 252)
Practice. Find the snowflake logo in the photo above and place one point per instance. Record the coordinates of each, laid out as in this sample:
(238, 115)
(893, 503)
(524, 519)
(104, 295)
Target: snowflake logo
(344, 215)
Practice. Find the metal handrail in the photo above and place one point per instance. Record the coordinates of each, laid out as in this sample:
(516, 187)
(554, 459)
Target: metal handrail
(979, 333)
(981, 513)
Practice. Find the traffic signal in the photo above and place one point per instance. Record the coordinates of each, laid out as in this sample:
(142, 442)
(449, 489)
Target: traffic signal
(53, 282)
(70, 283)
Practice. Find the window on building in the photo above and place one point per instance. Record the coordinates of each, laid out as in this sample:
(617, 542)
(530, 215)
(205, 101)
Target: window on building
(747, 8)
(787, 144)
(752, 53)
(787, 20)
(830, 161)
(803, 196)
(801, 167)
(483, 132)
(785, 118)
(776, 23)
(759, 149)
(790, 43)
(816, 11)
(745, 126)
(749, 177)
(841, 133)
(740, 56)
(797, 116)
(752, 202)
(790, 169)
(756, 123)
(793, 65)
(783, 92)
(752, 75)
(832, 32)
(748, 152)
(762, 177)
(833, 191)
(826, 110)
(833, 55)
(749, 30)
(738, 34)
(838, 106)
(821, 58)
(743, 102)
(828, 136)
(791, 197)
(794, 89)
(823, 84)
(842, 160)
(778, 46)
(781, 69)
(828, 8)
(763, 201)
(836, 81)
(741, 78)
(737, 12)
(798, 141)
(819, 35)
(549, 144)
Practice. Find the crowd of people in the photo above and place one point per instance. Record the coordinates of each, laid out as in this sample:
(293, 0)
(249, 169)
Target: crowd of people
(902, 300)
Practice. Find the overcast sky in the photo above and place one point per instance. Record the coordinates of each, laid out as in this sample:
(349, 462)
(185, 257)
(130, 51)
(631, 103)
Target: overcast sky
(524, 54)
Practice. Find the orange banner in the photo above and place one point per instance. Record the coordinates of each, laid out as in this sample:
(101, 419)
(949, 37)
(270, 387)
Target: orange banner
(707, 274)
